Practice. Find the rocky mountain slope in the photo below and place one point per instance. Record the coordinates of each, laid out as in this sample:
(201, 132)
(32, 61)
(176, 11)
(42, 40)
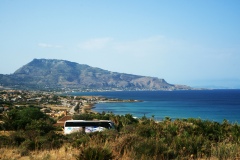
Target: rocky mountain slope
(62, 74)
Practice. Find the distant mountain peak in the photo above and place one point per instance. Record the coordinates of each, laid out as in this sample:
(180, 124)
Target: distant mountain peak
(54, 73)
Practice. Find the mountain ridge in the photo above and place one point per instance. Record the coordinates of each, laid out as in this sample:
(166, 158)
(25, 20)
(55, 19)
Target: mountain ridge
(63, 74)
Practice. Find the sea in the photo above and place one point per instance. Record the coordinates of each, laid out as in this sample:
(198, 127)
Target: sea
(212, 105)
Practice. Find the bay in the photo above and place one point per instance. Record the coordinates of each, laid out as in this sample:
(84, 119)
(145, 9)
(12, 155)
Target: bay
(213, 105)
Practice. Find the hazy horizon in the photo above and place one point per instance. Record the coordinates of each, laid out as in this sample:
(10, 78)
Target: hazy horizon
(195, 43)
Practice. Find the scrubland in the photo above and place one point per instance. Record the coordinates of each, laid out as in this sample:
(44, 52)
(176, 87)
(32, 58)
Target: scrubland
(144, 139)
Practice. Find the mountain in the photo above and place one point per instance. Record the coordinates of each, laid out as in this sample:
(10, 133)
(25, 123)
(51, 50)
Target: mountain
(62, 74)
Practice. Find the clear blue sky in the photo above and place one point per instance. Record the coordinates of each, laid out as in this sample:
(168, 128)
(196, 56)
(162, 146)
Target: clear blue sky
(196, 43)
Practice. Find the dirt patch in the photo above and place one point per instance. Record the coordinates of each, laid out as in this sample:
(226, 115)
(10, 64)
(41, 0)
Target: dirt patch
(54, 107)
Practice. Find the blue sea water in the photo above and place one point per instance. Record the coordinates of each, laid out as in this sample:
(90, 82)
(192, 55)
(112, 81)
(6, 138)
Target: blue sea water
(213, 105)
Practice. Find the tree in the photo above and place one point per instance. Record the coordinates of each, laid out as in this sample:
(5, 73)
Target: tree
(77, 107)
(19, 118)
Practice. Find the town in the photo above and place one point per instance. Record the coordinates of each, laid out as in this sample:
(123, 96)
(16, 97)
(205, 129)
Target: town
(54, 104)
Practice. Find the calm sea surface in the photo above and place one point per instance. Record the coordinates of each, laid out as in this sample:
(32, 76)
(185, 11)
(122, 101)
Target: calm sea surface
(214, 105)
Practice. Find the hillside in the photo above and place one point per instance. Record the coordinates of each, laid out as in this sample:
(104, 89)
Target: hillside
(62, 74)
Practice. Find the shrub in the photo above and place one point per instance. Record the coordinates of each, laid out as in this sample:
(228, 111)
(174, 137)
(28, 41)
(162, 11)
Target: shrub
(49, 141)
(126, 142)
(81, 140)
(145, 131)
(19, 118)
(16, 138)
(146, 147)
(4, 141)
(41, 126)
(224, 151)
(94, 153)
(26, 147)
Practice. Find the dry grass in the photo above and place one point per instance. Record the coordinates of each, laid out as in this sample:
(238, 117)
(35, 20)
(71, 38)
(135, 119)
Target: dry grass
(5, 133)
(64, 153)
(67, 152)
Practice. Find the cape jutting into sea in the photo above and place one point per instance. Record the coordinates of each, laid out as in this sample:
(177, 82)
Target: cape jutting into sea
(213, 105)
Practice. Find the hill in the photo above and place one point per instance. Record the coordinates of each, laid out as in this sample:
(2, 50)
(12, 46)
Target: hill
(62, 74)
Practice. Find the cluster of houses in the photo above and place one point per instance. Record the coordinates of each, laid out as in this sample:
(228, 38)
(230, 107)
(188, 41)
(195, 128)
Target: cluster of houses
(55, 105)
(58, 106)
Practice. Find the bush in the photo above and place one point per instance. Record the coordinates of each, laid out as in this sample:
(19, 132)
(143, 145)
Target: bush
(41, 126)
(95, 153)
(19, 118)
(26, 147)
(146, 131)
(4, 141)
(16, 138)
(146, 147)
(81, 140)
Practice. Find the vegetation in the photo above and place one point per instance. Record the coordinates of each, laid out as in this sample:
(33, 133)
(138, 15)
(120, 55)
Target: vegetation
(141, 138)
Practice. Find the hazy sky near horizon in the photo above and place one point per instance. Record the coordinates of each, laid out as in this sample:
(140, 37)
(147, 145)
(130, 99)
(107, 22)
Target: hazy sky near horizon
(196, 43)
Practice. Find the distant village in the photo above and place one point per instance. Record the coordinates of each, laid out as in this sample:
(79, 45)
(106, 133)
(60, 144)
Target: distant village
(53, 104)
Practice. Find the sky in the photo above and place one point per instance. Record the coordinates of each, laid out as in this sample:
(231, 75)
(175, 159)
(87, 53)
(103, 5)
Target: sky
(190, 42)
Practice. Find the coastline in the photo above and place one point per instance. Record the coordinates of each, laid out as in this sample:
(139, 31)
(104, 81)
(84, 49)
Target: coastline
(212, 105)
(88, 107)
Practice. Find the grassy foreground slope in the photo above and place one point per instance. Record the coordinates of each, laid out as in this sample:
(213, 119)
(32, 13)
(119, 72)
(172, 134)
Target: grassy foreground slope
(27, 137)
